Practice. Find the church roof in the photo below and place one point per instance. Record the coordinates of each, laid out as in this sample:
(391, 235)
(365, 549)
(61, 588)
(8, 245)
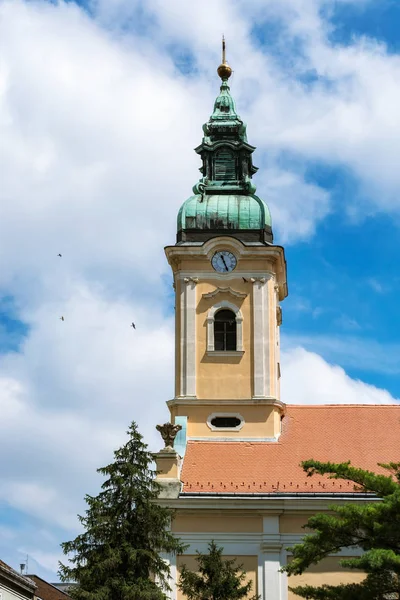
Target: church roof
(364, 434)
(224, 211)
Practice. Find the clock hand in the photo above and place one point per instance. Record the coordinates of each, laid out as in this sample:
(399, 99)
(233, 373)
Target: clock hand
(223, 260)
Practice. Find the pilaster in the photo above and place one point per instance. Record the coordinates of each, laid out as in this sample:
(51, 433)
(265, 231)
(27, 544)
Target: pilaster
(271, 552)
(261, 347)
(188, 337)
(272, 577)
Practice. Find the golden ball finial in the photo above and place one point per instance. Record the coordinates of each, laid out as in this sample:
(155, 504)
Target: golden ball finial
(224, 70)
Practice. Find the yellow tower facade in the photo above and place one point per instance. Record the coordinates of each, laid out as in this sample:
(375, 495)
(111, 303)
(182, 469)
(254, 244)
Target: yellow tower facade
(228, 313)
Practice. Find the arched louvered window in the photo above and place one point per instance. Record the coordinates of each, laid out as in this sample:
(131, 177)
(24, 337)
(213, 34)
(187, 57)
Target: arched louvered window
(225, 330)
(224, 165)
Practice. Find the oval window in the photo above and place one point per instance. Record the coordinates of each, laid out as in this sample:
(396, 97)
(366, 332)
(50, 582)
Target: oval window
(225, 422)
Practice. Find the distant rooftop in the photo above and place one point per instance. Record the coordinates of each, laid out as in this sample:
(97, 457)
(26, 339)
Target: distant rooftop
(19, 579)
(48, 591)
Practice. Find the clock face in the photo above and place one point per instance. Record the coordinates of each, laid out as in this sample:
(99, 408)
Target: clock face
(224, 261)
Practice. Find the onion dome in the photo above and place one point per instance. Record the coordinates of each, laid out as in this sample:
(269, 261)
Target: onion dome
(233, 214)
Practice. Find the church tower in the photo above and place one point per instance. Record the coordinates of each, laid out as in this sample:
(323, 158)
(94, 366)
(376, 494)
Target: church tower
(231, 466)
(229, 280)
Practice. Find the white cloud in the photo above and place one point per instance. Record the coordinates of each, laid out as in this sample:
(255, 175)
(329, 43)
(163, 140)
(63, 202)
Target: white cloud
(377, 286)
(347, 323)
(352, 351)
(296, 206)
(308, 379)
(38, 500)
(97, 127)
(48, 560)
(70, 395)
(331, 103)
(7, 533)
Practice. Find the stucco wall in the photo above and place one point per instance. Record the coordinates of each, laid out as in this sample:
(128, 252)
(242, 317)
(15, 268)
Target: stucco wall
(217, 523)
(249, 565)
(218, 377)
(230, 376)
(293, 523)
(260, 421)
(328, 571)
(260, 541)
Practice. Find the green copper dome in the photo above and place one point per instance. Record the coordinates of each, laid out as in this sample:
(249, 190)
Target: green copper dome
(224, 201)
(224, 212)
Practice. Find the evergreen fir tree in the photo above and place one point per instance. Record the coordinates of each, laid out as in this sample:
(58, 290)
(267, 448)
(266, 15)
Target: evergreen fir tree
(218, 579)
(117, 557)
(372, 526)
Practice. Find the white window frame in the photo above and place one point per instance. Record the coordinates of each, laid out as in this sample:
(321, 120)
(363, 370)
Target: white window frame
(224, 304)
(222, 414)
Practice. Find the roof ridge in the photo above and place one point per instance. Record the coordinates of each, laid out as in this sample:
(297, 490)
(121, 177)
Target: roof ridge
(48, 583)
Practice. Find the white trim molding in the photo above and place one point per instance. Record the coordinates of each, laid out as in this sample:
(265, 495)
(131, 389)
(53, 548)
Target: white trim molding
(210, 325)
(270, 401)
(265, 547)
(188, 337)
(230, 439)
(224, 353)
(225, 290)
(261, 337)
(225, 414)
(170, 560)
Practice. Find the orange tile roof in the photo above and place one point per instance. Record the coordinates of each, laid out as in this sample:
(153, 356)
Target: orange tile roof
(363, 434)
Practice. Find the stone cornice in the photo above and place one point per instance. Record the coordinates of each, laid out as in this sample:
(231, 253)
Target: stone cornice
(265, 504)
(227, 401)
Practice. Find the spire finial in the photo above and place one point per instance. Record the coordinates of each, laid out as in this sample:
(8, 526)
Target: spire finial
(224, 70)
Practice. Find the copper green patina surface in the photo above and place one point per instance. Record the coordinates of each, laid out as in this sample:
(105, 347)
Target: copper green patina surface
(224, 198)
(225, 113)
(227, 211)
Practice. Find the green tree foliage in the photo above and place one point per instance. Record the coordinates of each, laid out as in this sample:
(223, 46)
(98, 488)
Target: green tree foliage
(372, 526)
(117, 557)
(218, 578)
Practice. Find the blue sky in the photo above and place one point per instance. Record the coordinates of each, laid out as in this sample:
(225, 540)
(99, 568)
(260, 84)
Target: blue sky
(101, 105)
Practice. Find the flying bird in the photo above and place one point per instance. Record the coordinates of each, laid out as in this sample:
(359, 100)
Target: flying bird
(133, 325)
(62, 319)
(245, 280)
(60, 255)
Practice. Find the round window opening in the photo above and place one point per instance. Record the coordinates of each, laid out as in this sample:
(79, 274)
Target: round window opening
(225, 422)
